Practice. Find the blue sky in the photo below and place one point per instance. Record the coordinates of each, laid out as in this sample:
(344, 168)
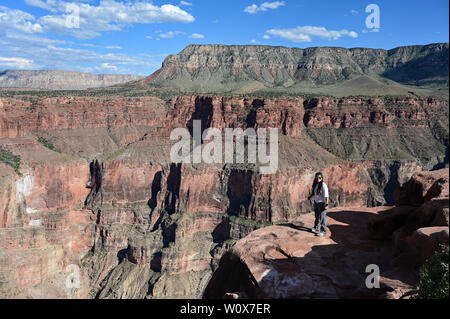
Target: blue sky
(133, 37)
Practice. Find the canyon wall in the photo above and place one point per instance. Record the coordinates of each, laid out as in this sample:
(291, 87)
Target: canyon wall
(89, 182)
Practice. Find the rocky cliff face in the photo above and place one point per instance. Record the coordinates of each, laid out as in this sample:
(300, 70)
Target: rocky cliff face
(89, 182)
(288, 261)
(60, 80)
(334, 71)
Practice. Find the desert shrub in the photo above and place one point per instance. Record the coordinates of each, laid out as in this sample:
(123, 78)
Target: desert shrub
(47, 143)
(9, 158)
(433, 283)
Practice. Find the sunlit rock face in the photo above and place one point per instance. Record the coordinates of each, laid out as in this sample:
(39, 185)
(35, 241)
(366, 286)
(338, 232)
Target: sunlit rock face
(88, 181)
(331, 71)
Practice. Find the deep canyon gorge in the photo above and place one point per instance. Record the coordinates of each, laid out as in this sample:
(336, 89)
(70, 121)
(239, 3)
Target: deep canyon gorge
(88, 181)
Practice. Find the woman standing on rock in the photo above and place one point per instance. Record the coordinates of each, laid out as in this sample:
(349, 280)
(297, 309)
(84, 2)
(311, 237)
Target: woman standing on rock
(320, 194)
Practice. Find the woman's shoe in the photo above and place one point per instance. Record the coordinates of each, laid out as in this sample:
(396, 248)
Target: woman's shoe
(321, 234)
(314, 230)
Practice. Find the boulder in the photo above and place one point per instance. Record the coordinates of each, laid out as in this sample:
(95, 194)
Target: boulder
(398, 283)
(415, 249)
(421, 187)
(431, 213)
(439, 189)
(441, 217)
(384, 225)
(430, 190)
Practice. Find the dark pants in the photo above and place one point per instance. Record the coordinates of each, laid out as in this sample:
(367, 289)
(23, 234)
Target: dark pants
(321, 217)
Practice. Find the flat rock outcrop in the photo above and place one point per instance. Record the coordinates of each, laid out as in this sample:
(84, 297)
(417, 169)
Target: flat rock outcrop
(60, 80)
(288, 261)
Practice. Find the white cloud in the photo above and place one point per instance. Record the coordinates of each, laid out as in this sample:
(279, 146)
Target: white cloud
(111, 62)
(272, 5)
(15, 63)
(196, 36)
(170, 34)
(371, 30)
(252, 9)
(20, 39)
(18, 20)
(25, 50)
(108, 66)
(113, 47)
(267, 37)
(36, 52)
(109, 47)
(47, 5)
(108, 15)
(185, 3)
(305, 33)
(264, 7)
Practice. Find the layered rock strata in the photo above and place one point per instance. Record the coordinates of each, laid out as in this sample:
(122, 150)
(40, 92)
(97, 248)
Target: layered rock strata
(89, 182)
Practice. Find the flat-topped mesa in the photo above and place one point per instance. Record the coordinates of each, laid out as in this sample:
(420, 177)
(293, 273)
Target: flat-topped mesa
(60, 80)
(221, 68)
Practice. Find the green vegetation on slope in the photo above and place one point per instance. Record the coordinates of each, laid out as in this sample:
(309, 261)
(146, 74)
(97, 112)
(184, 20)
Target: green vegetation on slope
(47, 143)
(434, 278)
(9, 158)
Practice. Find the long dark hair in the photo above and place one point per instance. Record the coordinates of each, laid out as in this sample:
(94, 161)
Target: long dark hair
(315, 182)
